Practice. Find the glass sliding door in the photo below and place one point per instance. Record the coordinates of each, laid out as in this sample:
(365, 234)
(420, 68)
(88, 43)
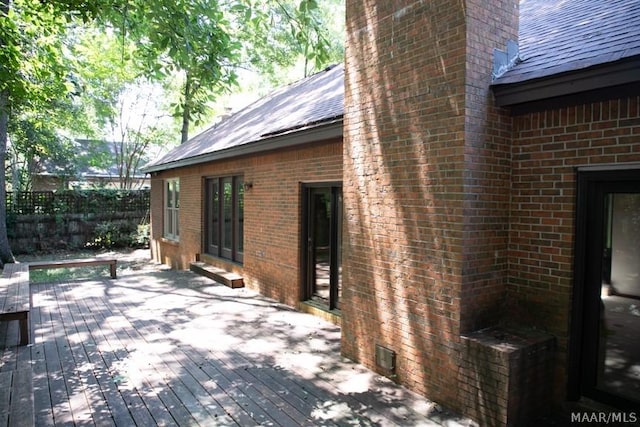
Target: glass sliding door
(608, 288)
(322, 232)
(619, 327)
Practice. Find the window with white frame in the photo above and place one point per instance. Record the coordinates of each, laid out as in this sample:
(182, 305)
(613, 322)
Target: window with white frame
(171, 209)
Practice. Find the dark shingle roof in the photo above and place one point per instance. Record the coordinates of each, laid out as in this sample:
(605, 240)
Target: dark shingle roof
(557, 36)
(314, 100)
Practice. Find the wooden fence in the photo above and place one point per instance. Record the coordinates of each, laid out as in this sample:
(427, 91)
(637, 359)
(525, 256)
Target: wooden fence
(77, 202)
(45, 220)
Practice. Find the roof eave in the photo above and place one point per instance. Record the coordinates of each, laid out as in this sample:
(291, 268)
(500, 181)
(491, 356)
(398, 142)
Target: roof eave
(319, 132)
(622, 72)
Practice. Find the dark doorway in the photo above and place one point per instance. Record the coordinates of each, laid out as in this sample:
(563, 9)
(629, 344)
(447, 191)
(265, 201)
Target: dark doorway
(605, 341)
(321, 237)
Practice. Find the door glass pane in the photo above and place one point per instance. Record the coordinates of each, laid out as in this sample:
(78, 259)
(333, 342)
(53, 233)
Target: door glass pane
(339, 251)
(619, 330)
(176, 225)
(227, 212)
(169, 194)
(176, 194)
(321, 202)
(240, 215)
(168, 226)
(214, 219)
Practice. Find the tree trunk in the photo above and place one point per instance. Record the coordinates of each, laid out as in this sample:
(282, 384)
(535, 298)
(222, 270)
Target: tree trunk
(5, 250)
(186, 110)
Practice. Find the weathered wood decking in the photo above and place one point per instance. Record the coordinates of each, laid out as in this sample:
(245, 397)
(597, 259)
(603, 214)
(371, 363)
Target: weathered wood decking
(171, 348)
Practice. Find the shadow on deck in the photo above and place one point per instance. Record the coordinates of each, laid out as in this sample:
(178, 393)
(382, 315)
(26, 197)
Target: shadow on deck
(162, 347)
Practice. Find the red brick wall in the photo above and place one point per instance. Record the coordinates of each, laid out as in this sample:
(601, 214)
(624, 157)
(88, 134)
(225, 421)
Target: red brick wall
(272, 213)
(487, 167)
(423, 172)
(404, 157)
(547, 148)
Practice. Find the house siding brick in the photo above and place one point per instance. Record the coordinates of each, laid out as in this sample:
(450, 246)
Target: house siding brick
(458, 232)
(487, 167)
(272, 223)
(548, 146)
(426, 185)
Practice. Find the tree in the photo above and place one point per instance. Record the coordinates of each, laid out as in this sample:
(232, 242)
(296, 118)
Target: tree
(31, 67)
(122, 103)
(36, 147)
(204, 41)
(280, 33)
(5, 55)
(186, 37)
(198, 40)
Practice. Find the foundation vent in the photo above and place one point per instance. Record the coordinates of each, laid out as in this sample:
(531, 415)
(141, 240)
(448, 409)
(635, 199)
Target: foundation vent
(385, 358)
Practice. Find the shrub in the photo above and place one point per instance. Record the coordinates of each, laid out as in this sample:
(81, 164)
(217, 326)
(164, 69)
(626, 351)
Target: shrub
(140, 238)
(110, 235)
(120, 235)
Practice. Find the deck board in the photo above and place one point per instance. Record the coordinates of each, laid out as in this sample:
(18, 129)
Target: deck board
(191, 384)
(106, 354)
(5, 396)
(88, 403)
(224, 385)
(181, 394)
(172, 349)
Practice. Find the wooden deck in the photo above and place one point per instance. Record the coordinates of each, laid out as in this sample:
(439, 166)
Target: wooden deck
(159, 347)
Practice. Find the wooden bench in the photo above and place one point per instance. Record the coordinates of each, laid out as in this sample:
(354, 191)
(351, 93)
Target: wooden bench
(16, 386)
(68, 263)
(15, 298)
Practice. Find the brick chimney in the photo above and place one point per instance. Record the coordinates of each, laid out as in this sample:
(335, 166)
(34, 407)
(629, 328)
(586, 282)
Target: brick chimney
(426, 184)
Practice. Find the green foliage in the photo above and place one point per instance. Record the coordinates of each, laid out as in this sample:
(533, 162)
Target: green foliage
(103, 71)
(53, 56)
(278, 35)
(39, 91)
(67, 65)
(122, 103)
(185, 37)
(109, 235)
(119, 235)
(34, 146)
(141, 237)
(31, 59)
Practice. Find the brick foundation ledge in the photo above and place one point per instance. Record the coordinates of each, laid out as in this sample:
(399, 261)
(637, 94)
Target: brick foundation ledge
(506, 375)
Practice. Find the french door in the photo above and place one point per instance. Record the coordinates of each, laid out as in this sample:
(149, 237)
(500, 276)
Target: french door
(321, 237)
(605, 341)
(224, 217)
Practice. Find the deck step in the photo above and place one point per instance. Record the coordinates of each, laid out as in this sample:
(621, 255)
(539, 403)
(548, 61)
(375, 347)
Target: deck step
(227, 278)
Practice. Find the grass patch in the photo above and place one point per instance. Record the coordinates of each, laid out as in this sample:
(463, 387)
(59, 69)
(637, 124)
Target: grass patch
(63, 274)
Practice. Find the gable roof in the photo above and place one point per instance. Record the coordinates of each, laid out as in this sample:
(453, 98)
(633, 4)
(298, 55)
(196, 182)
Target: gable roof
(275, 121)
(566, 47)
(593, 43)
(93, 158)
